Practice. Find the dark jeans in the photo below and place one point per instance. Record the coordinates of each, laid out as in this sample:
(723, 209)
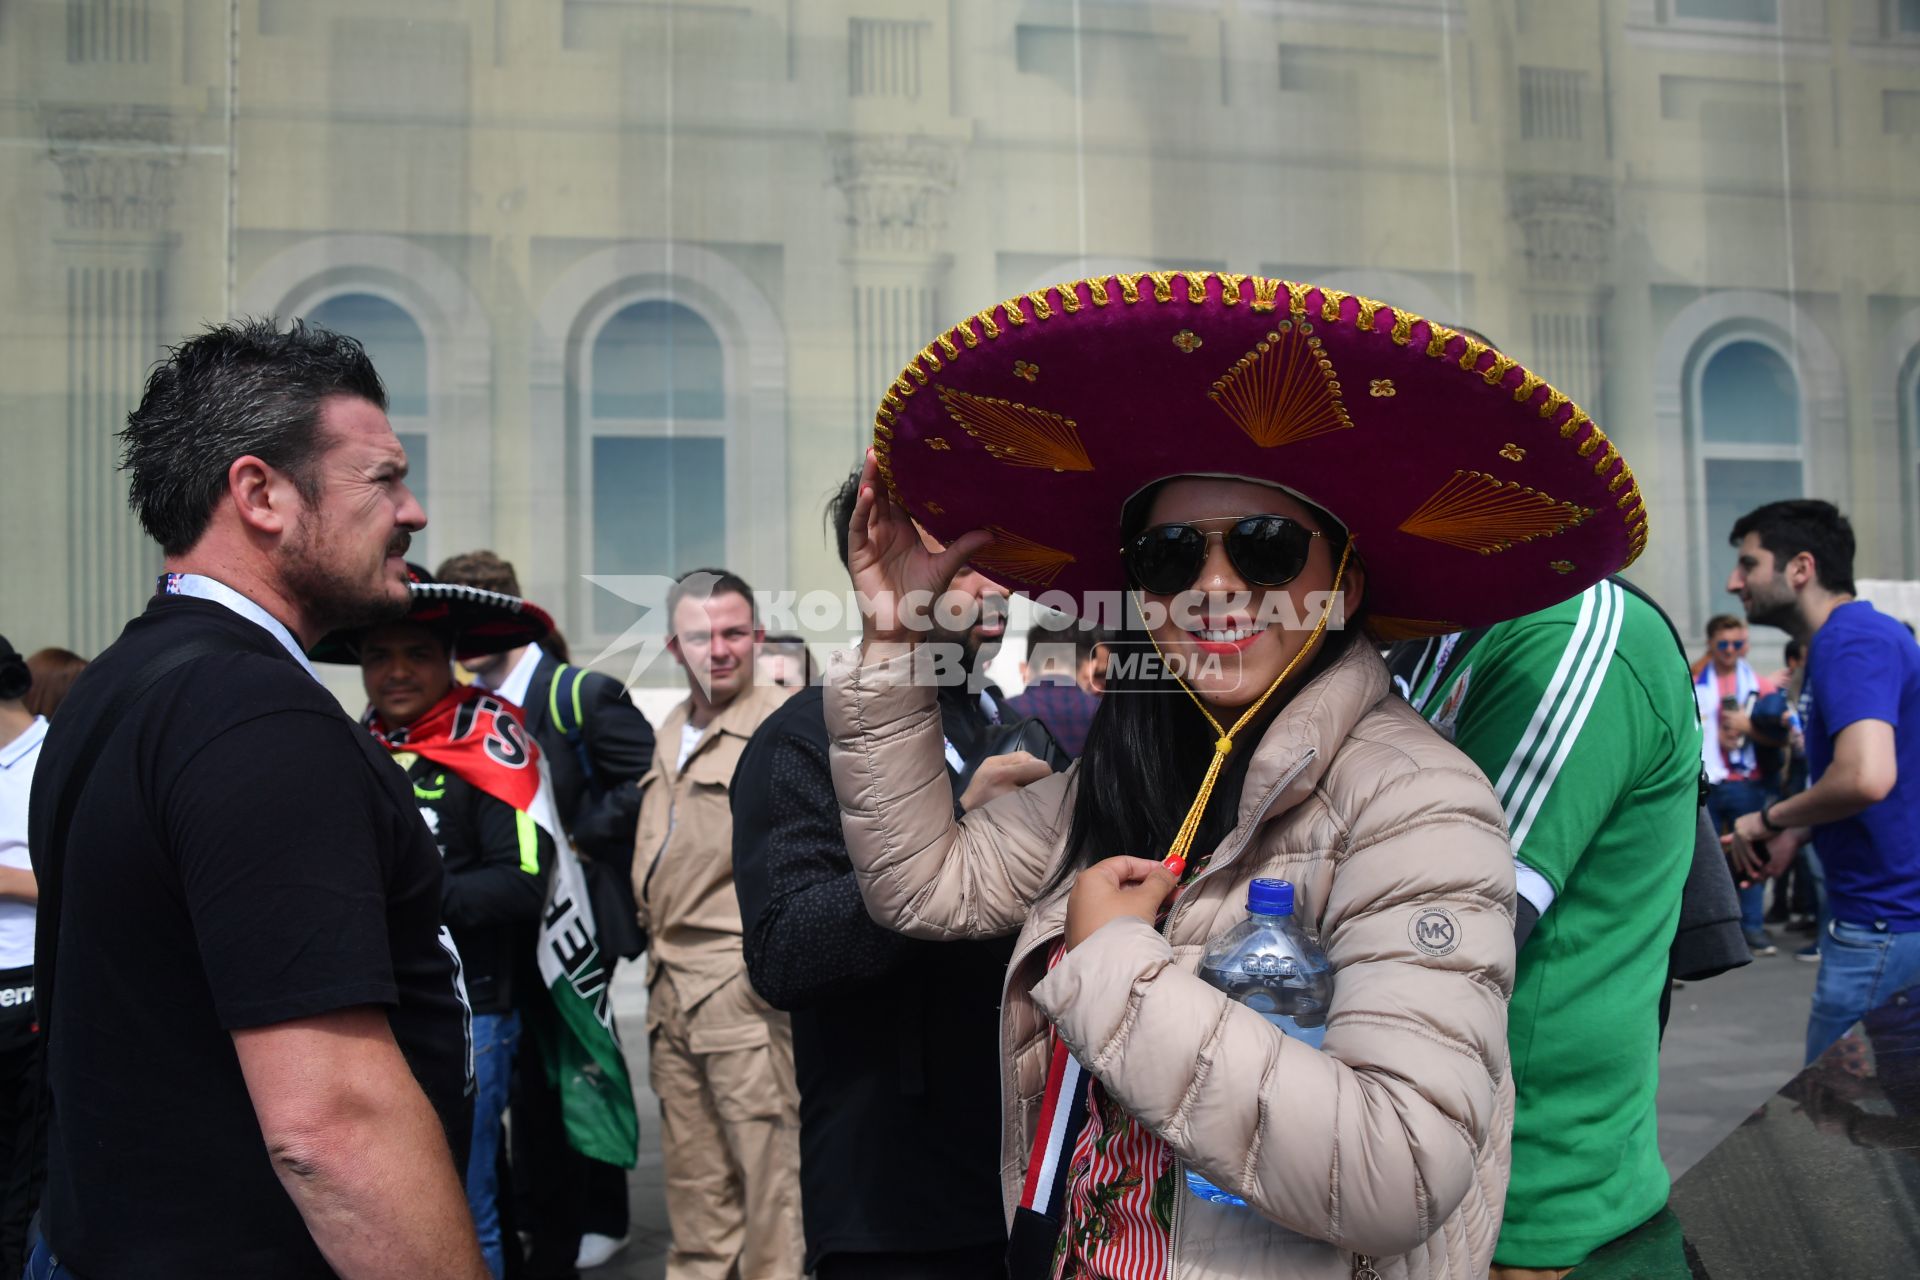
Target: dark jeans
(986, 1262)
(1727, 801)
(496, 1038)
(23, 1137)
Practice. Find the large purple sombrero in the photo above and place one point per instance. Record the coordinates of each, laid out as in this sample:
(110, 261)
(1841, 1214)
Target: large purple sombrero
(1474, 491)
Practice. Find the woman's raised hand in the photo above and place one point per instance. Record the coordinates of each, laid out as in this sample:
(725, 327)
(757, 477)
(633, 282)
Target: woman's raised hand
(890, 563)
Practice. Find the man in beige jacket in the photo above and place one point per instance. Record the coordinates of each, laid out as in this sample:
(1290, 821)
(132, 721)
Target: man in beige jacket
(721, 1059)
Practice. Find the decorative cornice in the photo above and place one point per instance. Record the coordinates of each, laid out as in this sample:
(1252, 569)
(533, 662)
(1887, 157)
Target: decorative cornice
(116, 164)
(1566, 224)
(897, 187)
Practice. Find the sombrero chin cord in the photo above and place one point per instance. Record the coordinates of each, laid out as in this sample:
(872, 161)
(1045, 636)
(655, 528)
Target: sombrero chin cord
(1176, 859)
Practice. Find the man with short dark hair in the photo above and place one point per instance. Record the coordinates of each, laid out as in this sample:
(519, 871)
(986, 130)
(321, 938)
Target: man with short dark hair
(1726, 690)
(891, 1035)
(1860, 714)
(245, 890)
(597, 745)
(1053, 693)
(721, 1059)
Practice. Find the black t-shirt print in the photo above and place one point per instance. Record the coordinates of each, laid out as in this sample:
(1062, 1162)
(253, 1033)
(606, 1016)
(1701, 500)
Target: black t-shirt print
(242, 854)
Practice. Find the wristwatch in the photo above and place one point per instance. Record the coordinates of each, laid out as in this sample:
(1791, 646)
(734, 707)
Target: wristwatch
(1766, 820)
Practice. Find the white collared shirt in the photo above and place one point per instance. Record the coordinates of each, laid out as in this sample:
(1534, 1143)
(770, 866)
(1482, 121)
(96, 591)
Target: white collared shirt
(201, 587)
(17, 761)
(519, 681)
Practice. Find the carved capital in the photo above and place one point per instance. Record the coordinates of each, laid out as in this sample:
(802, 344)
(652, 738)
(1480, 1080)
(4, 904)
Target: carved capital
(897, 188)
(116, 165)
(1566, 224)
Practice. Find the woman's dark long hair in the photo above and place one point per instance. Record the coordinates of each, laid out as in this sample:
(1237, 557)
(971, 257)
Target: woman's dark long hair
(1148, 747)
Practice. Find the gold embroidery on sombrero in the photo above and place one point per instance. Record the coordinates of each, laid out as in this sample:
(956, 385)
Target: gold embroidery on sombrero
(1188, 341)
(1098, 288)
(946, 345)
(1529, 383)
(1561, 566)
(934, 508)
(1069, 297)
(1022, 369)
(1363, 319)
(1042, 310)
(1496, 373)
(1283, 390)
(1513, 453)
(1382, 389)
(967, 335)
(938, 444)
(1196, 287)
(1265, 291)
(1130, 287)
(1013, 556)
(1297, 297)
(1479, 512)
(1017, 434)
(1330, 300)
(1229, 288)
(1402, 328)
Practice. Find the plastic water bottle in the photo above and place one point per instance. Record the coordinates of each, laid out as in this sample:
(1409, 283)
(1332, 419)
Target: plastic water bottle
(1269, 964)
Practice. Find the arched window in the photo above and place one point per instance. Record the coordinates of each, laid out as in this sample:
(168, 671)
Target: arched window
(656, 454)
(1747, 415)
(399, 351)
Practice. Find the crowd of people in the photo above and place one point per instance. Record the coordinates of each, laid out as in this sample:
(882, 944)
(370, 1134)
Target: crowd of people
(925, 994)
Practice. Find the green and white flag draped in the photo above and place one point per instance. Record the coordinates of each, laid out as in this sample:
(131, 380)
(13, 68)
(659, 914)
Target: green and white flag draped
(476, 735)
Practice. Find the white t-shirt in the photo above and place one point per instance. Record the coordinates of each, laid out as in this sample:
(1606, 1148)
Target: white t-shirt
(689, 739)
(17, 760)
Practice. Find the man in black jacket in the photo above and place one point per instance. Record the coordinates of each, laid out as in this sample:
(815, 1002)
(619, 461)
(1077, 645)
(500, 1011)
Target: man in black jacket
(598, 745)
(896, 1041)
(497, 862)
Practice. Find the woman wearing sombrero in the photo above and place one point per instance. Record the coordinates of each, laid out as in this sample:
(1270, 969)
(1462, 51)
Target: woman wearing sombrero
(1262, 467)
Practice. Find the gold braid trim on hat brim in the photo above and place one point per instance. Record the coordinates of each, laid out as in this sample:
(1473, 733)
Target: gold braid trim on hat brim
(1577, 431)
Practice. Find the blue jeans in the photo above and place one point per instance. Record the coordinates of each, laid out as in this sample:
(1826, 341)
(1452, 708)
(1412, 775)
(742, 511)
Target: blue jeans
(1727, 801)
(1861, 968)
(495, 1037)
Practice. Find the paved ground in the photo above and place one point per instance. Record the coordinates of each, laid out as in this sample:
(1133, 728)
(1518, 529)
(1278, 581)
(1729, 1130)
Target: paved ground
(1730, 1043)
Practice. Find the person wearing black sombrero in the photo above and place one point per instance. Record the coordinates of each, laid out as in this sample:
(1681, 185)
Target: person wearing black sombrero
(482, 787)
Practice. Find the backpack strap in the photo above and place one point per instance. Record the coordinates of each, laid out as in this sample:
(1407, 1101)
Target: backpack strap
(566, 714)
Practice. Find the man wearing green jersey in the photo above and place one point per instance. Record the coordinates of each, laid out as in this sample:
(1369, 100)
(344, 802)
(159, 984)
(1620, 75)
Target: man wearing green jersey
(1583, 717)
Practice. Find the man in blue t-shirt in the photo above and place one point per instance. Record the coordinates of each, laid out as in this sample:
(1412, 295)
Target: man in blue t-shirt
(1860, 708)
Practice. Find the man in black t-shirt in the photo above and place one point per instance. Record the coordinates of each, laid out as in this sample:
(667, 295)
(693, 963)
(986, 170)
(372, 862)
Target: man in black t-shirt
(257, 1046)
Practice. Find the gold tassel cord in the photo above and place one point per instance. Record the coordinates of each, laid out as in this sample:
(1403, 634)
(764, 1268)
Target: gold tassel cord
(1176, 859)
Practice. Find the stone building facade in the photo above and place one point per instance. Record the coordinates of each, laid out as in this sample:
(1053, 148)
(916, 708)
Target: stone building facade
(637, 270)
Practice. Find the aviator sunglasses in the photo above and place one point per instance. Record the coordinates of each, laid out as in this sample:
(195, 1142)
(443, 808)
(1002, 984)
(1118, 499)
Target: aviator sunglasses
(1268, 551)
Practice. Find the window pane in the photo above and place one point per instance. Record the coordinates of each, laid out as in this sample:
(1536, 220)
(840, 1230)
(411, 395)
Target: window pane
(657, 359)
(659, 507)
(1748, 395)
(1910, 15)
(415, 443)
(392, 339)
(1733, 489)
(1728, 10)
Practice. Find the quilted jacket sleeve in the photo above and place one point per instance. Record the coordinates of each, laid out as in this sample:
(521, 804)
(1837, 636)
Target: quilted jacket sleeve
(921, 872)
(1370, 1141)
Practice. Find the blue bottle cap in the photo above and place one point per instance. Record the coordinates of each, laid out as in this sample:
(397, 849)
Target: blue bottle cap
(1270, 898)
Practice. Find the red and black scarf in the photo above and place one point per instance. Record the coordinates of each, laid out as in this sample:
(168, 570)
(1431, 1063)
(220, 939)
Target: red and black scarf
(478, 736)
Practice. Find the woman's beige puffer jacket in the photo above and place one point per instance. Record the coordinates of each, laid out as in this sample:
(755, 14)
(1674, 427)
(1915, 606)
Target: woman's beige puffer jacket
(1386, 1148)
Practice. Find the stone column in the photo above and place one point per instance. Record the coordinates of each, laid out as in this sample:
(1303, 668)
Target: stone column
(1566, 231)
(897, 189)
(117, 166)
